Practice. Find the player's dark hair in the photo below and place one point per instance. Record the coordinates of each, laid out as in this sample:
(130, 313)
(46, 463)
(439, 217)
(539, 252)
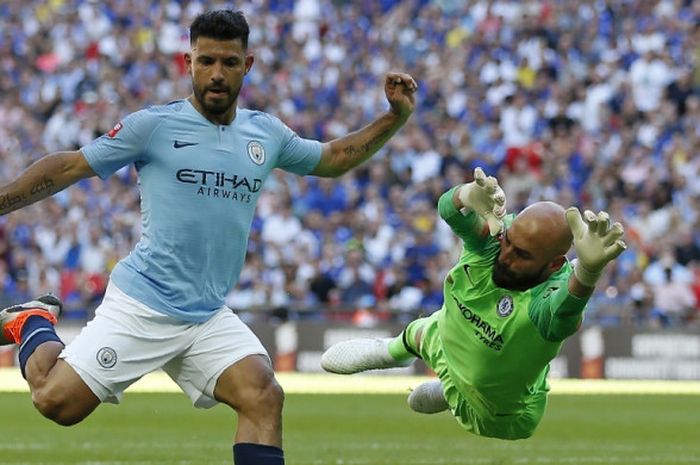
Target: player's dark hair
(220, 25)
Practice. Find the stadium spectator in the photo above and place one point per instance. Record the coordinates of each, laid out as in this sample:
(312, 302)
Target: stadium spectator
(674, 300)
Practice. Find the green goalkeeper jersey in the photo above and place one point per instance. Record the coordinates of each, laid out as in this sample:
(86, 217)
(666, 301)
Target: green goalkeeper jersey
(498, 343)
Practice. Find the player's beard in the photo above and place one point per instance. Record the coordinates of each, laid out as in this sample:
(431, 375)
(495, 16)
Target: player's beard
(220, 104)
(506, 279)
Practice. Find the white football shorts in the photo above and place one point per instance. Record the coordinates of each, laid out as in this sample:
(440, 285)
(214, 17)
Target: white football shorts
(127, 340)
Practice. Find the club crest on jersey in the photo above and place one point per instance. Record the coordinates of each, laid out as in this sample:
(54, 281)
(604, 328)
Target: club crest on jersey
(256, 152)
(117, 127)
(505, 306)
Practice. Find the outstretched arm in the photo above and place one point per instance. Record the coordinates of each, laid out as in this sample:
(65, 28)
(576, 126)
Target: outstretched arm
(43, 178)
(558, 310)
(596, 243)
(341, 155)
(484, 197)
(475, 210)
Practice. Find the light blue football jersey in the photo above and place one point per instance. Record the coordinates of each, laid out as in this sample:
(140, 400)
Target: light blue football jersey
(199, 183)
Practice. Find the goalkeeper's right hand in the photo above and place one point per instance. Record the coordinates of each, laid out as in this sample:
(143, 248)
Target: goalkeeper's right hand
(485, 197)
(596, 243)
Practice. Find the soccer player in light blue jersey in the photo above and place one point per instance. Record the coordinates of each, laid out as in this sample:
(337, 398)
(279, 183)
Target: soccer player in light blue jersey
(201, 164)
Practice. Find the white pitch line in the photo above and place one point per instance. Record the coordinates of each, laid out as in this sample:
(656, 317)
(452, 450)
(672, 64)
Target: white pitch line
(304, 383)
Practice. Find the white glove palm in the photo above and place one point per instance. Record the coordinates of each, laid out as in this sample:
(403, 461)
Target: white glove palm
(596, 243)
(485, 197)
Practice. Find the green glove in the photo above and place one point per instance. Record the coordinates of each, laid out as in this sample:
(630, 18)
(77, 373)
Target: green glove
(596, 243)
(485, 197)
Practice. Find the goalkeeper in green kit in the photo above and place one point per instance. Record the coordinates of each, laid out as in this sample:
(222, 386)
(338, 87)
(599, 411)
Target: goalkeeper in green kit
(510, 302)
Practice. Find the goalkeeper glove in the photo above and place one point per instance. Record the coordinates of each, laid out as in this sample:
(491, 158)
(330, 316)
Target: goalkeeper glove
(486, 198)
(596, 243)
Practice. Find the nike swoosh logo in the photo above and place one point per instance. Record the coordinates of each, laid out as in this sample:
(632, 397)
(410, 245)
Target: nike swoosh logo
(469, 276)
(178, 145)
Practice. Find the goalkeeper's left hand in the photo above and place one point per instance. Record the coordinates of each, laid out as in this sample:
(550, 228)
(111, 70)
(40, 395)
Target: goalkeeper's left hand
(596, 243)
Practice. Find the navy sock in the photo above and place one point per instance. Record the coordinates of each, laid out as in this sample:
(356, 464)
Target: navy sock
(246, 453)
(36, 331)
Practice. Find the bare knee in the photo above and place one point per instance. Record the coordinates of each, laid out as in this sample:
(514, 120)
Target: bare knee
(266, 397)
(249, 387)
(61, 395)
(259, 396)
(54, 405)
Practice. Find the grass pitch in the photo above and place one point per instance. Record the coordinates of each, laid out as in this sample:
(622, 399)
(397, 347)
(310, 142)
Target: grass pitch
(356, 429)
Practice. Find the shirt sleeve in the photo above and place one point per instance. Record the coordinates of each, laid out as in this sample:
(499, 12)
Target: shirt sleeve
(124, 144)
(297, 155)
(555, 312)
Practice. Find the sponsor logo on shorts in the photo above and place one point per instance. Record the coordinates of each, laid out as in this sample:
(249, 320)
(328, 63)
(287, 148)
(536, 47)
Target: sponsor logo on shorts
(107, 357)
(505, 306)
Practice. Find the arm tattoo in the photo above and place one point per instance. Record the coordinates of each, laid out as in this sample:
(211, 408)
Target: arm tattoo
(9, 202)
(368, 147)
(352, 151)
(37, 191)
(45, 184)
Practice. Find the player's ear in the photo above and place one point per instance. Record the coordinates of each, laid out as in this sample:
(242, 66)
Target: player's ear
(557, 263)
(188, 61)
(249, 59)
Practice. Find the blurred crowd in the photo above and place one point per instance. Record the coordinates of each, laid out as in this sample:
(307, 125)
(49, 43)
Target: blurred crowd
(590, 103)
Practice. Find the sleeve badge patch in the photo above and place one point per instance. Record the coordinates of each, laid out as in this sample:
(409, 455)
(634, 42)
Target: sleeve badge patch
(113, 132)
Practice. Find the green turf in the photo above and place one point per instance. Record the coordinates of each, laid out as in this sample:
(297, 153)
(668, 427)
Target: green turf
(149, 429)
